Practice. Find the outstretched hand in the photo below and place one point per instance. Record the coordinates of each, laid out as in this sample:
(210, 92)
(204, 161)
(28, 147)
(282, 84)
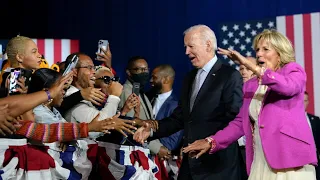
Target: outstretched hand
(142, 133)
(197, 148)
(233, 55)
(122, 125)
(101, 126)
(154, 124)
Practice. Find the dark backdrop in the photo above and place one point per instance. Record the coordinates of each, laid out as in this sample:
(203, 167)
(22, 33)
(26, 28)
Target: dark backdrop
(151, 28)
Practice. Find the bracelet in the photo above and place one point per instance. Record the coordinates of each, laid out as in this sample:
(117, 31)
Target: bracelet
(48, 95)
(211, 142)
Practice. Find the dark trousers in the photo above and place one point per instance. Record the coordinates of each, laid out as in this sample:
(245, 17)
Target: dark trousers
(184, 171)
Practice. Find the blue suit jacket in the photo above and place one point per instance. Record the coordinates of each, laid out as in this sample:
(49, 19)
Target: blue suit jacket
(173, 141)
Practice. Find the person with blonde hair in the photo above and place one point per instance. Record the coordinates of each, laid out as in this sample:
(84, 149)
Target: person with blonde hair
(23, 52)
(279, 142)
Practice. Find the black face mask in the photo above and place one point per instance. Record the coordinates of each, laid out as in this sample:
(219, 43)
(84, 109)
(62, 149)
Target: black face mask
(141, 78)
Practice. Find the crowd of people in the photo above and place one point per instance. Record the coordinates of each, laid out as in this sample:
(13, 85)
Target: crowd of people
(227, 124)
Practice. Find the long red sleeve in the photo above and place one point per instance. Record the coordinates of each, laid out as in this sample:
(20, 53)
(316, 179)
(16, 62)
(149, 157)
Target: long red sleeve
(48, 133)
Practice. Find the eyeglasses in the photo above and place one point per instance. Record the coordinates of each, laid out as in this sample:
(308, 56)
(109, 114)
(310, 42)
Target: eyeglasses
(91, 68)
(107, 79)
(140, 70)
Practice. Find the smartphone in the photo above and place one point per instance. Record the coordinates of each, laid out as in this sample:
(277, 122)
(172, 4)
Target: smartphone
(72, 65)
(102, 44)
(15, 74)
(136, 88)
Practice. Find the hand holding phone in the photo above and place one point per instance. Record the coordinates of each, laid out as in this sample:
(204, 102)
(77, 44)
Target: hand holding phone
(104, 54)
(15, 74)
(136, 88)
(102, 44)
(19, 79)
(72, 65)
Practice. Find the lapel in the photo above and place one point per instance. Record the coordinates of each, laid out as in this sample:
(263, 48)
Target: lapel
(153, 100)
(164, 105)
(207, 82)
(144, 106)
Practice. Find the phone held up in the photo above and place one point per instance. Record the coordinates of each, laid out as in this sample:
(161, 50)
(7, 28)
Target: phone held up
(15, 75)
(136, 88)
(102, 44)
(72, 65)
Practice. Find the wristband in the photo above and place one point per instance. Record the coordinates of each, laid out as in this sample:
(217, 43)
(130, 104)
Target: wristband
(48, 95)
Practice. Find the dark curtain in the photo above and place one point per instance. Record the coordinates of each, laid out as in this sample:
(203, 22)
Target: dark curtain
(151, 28)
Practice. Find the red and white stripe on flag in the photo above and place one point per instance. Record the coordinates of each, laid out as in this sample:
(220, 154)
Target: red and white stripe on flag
(304, 32)
(56, 50)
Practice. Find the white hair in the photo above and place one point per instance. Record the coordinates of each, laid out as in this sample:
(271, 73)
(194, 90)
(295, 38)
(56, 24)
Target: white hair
(206, 34)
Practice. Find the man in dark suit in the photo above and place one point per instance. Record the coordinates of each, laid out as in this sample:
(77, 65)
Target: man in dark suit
(211, 97)
(163, 104)
(314, 122)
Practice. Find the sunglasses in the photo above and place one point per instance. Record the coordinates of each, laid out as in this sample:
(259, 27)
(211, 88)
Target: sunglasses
(107, 79)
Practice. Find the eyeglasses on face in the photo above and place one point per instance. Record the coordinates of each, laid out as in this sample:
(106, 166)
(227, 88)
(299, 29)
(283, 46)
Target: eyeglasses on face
(107, 79)
(91, 68)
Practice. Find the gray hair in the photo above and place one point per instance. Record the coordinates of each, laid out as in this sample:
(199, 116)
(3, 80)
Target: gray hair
(206, 34)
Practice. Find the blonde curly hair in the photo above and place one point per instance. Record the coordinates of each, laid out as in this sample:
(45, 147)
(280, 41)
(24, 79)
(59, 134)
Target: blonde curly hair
(279, 42)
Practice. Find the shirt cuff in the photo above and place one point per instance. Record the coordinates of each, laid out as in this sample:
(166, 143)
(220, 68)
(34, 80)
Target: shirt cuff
(155, 146)
(84, 130)
(113, 99)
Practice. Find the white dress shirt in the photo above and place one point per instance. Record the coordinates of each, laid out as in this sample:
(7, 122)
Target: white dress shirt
(206, 68)
(159, 102)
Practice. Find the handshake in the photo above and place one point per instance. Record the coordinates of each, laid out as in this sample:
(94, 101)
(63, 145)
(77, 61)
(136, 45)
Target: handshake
(142, 134)
(195, 149)
(125, 127)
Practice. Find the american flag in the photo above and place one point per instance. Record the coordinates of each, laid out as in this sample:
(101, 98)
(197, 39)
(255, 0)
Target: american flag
(304, 32)
(56, 50)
